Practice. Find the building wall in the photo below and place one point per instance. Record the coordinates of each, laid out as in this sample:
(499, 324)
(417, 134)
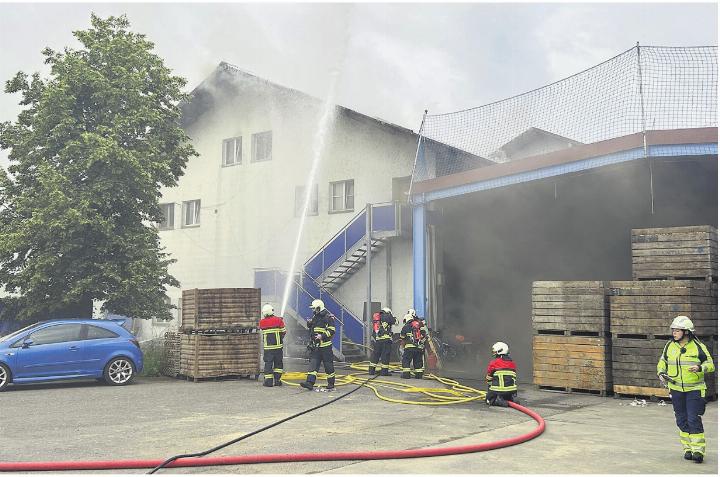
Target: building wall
(247, 210)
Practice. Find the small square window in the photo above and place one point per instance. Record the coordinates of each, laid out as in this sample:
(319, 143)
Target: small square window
(168, 221)
(262, 146)
(232, 151)
(300, 201)
(191, 213)
(342, 196)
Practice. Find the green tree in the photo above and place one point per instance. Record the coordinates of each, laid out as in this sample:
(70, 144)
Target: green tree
(88, 156)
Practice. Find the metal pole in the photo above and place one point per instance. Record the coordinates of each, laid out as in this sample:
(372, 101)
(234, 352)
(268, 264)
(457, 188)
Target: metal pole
(417, 151)
(644, 131)
(368, 255)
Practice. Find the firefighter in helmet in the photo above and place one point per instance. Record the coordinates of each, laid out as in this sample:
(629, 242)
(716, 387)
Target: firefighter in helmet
(273, 332)
(682, 368)
(381, 336)
(501, 377)
(322, 328)
(414, 334)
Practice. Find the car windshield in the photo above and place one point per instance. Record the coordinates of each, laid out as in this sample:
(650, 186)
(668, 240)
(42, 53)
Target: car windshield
(15, 333)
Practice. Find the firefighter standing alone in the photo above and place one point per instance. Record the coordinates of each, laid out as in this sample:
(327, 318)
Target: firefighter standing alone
(414, 334)
(382, 341)
(501, 377)
(682, 367)
(322, 328)
(273, 332)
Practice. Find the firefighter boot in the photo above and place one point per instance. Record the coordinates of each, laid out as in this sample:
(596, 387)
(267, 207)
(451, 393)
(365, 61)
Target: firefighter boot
(277, 379)
(688, 455)
(419, 375)
(268, 383)
(371, 370)
(307, 385)
(384, 371)
(697, 457)
(331, 383)
(405, 375)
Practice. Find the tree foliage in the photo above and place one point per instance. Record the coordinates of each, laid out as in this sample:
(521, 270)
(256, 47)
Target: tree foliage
(88, 155)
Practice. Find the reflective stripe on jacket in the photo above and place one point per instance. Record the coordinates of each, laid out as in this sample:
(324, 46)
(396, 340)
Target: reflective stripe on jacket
(323, 324)
(273, 332)
(675, 361)
(503, 381)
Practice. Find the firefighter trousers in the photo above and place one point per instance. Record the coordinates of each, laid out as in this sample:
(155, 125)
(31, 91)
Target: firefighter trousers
(381, 355)
(689, 406)
(494, 398)
(321, 355)
(273, 370)
(413, 356)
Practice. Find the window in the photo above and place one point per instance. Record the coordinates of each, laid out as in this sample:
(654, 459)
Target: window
(56, 334)
(342, 196)
(232, 151)
(191, 213)
(300, 201)
(262, 146)
(168, 212)
(97, 333)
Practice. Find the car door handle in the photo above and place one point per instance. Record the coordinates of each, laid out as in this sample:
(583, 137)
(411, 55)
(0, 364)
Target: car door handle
(73, 348)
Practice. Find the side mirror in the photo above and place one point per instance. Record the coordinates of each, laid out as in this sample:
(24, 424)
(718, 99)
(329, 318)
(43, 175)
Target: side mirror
(27, 343)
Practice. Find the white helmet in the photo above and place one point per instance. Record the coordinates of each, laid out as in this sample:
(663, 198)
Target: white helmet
(682, 322)
(407, 318)
(500, 348)
(317, 305)
(411, 312)
(386, 310)
(268, 310)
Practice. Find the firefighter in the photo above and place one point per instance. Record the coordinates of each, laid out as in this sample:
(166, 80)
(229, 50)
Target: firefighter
(682, 368)
(322, 328)
(382, 341)
(273, 332)
(501, 377)
(414, 334)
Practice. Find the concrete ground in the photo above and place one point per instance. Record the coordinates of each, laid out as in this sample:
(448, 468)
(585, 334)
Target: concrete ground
(156, 418)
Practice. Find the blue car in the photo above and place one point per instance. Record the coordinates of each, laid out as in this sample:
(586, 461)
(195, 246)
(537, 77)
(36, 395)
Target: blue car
(70, 349)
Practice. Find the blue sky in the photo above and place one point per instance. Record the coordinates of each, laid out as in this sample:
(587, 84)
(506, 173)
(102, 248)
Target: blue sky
(392, 60)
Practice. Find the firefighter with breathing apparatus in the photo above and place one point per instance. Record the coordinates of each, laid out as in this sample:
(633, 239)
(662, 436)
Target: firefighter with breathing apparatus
(501, 377)
(414, 334)
(682, 368)
(381, 336)
(273, 332)
(322, 328)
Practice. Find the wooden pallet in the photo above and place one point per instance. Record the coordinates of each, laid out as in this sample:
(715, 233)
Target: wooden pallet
(171, 354)
(576, 307)
(640, 391)
(216, 355)
(220, 308)
(597, 392)
(572, 362)
(674, 252)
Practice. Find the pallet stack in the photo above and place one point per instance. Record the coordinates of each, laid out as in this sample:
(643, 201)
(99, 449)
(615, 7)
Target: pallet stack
(675, 253)
(571, 344)
(171, 354)
(220, 333)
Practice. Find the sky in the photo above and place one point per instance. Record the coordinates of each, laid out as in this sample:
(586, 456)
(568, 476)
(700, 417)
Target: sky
(391, 61)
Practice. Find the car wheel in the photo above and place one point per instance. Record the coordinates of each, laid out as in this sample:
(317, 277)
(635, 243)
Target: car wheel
(119, 371)
(4, 377)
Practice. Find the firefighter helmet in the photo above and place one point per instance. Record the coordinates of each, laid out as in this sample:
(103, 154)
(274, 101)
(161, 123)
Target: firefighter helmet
(317, 305)
(407, 318)
(411, 312)
(500, 348)
(682, 323)
(268, 310)
(387, 310)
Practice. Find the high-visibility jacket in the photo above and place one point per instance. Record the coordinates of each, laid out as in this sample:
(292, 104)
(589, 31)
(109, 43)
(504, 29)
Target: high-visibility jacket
(675, 361)
(502, 375)
(382, 326)
(414, 333)
(273, 331)
(322, 323)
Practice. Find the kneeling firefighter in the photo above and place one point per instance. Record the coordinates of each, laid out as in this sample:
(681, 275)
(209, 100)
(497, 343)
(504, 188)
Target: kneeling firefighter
(682, 368)
(414, 334)
(501, 377)
(381, 336)
(322, 328)
(273, 332)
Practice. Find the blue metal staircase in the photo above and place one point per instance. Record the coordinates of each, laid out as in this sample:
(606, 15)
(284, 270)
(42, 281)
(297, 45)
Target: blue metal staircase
(330, 267)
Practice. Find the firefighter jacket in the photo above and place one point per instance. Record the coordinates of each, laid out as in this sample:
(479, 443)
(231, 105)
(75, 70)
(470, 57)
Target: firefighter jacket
(322, 323)
(676, 360)
(414, 333)
(502, 375)
(273, 331)
(382, 328)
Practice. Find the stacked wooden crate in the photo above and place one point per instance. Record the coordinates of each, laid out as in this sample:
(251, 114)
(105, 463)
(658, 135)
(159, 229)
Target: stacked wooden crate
(571, 345)
(640, 317)
(171, 354)
(220, 332)
(674, 253)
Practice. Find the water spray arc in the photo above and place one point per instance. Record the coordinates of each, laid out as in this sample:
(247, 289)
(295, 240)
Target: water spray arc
(326, 118)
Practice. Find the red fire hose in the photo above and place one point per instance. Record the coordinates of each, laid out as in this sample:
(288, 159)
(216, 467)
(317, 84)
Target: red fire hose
(268, 458)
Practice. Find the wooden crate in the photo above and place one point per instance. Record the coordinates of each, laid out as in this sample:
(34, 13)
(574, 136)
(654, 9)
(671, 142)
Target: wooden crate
(572, 362)
(634, 365)
(648, 307)
(571, 307)
(215, 355)
(171, 354)
(220, 309)
(674, 252)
